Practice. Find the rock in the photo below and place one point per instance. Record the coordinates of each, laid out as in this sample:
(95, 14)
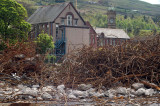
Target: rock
(111, 96)
(30, 97)
(122, 90)
(35, 86)
(84, 87)
(46, 96)
(30, 91)
(132, 91)
(131, 95)
(1, 92)
(149, 92)
(21, 87)
(71, 96)
(16, 90)
(48, 88)
(61, 88)
(137, 85)
(2, 84)
(39, 98)
(98, 94)
(140, 92)
(111, 93)
(78, 93)
(91, 91)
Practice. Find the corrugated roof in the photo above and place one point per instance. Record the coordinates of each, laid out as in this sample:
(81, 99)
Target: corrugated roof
(112, 33)
(46, 13)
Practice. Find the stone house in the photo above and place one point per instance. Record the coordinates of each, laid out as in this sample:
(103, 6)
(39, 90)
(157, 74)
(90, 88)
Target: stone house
(64, 23)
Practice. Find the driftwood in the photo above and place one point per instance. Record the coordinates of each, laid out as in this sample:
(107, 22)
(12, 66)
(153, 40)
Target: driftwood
(108, 66)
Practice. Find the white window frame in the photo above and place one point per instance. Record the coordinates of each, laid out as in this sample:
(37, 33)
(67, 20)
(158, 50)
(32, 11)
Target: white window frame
(69, 20)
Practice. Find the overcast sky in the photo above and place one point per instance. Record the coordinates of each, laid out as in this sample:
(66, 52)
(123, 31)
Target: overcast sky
(152, 1)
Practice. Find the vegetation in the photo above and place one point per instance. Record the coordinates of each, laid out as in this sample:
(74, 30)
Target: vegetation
(44, 43)
(12, 23)
(133, 25)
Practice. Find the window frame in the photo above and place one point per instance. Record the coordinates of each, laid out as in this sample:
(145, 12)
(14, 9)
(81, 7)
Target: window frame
(69, 20)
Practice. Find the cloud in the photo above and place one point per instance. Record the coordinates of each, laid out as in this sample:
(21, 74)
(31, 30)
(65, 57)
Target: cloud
(152, 1)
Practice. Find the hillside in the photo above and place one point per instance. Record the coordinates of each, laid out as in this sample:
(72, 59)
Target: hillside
(122, 6)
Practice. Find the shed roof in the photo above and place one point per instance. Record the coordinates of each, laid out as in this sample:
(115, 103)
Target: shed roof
(112, 33)
(46, 13)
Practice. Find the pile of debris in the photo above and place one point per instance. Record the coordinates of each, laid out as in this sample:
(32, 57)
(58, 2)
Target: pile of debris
(19, 63)
(133, 61)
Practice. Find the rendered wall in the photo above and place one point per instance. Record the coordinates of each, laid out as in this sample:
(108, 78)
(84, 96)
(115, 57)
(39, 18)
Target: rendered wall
(76, 38)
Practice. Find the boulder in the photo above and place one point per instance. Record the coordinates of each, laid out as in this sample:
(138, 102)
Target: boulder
(140, 92)
(61, 88)
(138, 85)
(30, 91)
(111, 93)
(81, 94)
(98, 94)
(71, 96)
(91, 91)
(122, 90)
(46, 96)
(150, 92)
(84, 87)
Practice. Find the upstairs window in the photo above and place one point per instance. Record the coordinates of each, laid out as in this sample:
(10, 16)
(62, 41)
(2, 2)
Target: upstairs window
(76, 22)
(69, 20)
(62, 21)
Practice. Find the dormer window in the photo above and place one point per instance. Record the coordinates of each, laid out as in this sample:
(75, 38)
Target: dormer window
(69, 20)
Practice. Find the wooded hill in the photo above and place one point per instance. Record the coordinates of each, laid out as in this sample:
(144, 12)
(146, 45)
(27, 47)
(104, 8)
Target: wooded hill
(134, 16)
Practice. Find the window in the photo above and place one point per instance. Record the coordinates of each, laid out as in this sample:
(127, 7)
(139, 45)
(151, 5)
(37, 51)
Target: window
(76, 22)
(114, 42)
(48, 28)
(57, 28)
(69, 20)
(93, 41)
(62, 21)
(110, 41)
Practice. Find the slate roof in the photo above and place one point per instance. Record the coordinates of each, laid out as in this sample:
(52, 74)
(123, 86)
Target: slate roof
(112, 33)
(46, 13)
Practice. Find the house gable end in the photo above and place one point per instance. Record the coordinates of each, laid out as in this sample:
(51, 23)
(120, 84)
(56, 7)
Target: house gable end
(70, 10)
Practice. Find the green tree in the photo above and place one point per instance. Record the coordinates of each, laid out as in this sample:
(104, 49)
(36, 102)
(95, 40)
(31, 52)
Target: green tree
(12, 24)
(44, 43)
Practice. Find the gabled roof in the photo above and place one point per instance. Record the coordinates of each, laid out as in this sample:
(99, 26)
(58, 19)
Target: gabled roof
(49, 13)
(46, 13)
(112, 33)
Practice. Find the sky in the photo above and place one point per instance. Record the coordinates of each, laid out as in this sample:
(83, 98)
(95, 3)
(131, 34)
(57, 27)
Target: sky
(152, 1)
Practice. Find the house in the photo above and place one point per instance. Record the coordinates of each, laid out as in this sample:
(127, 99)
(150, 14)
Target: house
(64, 23)
(107, 36)
(111, 35)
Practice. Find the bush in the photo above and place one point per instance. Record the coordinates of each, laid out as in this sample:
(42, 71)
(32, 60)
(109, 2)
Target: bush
(44, 43)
